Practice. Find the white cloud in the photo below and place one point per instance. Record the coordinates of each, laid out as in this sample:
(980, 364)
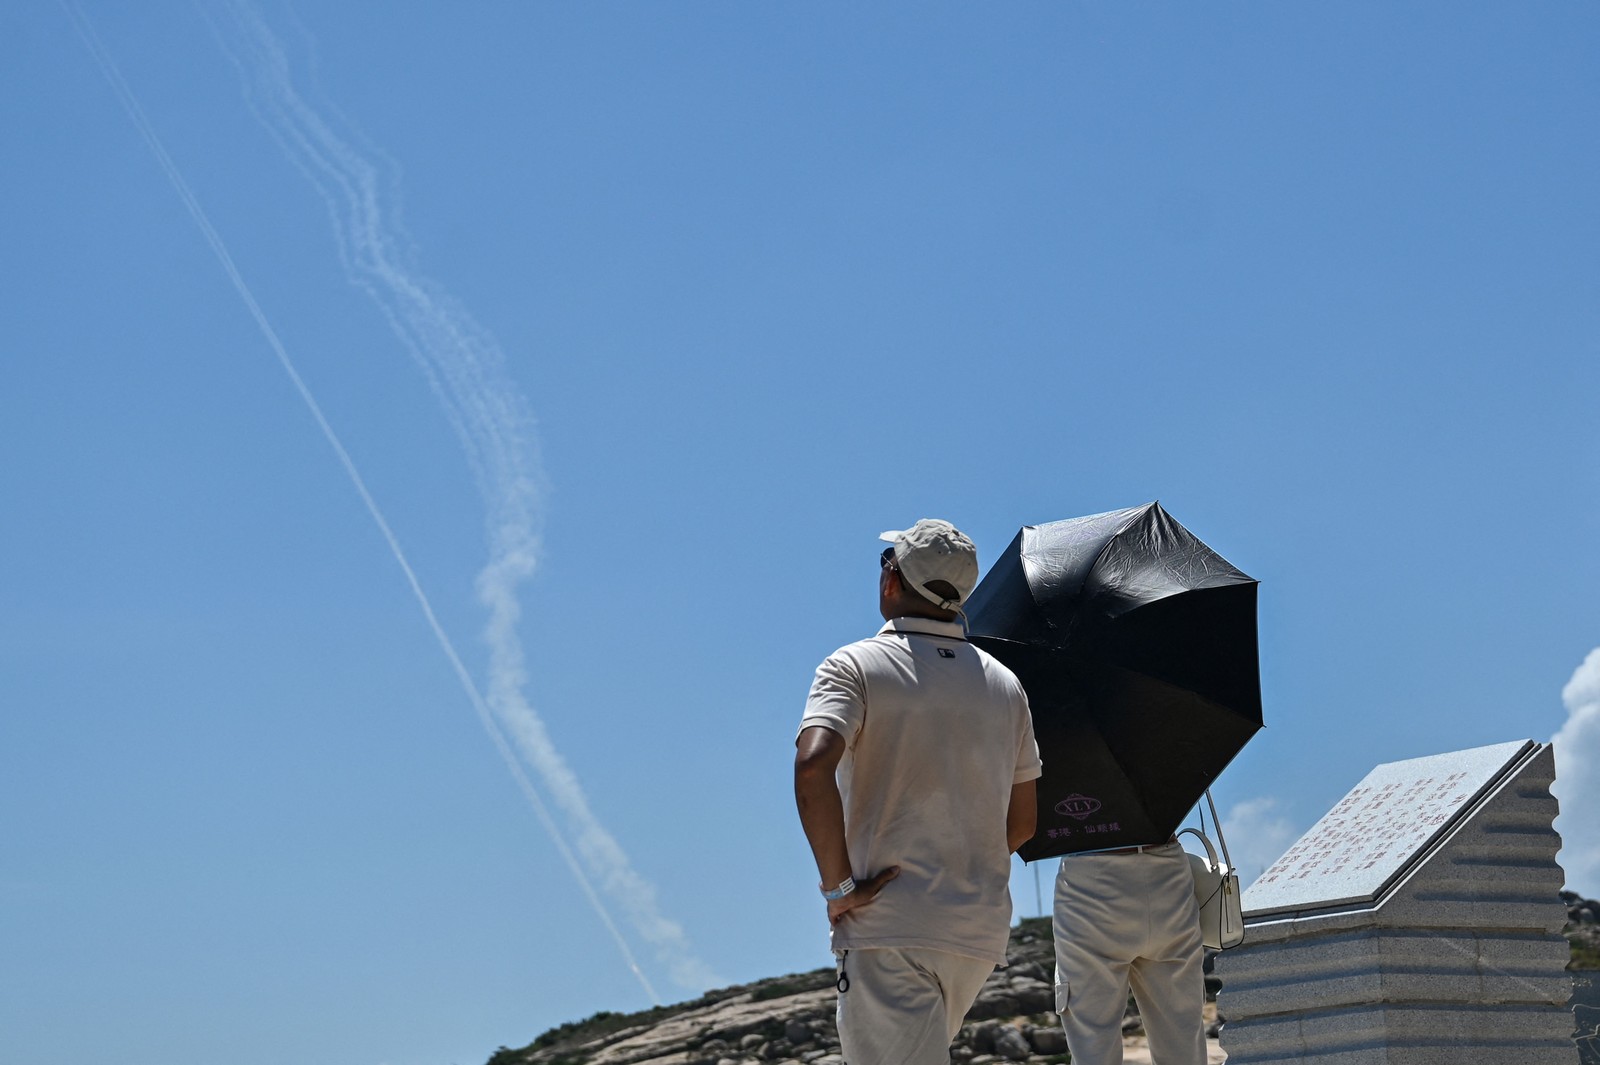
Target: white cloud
(1577, 783)
(1258, 834)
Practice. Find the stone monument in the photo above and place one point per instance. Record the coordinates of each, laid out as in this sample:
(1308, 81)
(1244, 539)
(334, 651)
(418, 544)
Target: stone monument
(1418, 923)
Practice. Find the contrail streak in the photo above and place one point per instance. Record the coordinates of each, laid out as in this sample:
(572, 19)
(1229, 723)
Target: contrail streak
(466, 369)
(487, 417)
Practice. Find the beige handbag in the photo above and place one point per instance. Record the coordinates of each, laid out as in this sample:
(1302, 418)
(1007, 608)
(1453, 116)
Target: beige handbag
(1216, 888)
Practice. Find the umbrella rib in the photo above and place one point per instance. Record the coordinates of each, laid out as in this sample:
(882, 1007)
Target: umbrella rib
(1089, 569)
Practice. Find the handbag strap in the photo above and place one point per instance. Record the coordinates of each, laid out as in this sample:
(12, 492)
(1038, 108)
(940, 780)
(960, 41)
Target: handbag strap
(1211, 852)
(1216, 823)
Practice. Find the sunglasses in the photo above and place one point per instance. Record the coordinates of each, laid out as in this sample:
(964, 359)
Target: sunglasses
(886, 560)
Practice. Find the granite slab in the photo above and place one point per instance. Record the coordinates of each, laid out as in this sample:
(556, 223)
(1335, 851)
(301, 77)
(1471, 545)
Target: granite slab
(1375, 833)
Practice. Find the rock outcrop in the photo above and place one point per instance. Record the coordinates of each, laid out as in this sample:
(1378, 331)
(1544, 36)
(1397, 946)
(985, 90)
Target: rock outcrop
(788, 1020)
(1583, 930)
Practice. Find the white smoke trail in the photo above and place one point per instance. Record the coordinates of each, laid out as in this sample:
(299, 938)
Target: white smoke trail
(489, 416)
(1577, 782)
(136, 113)
(466, 369)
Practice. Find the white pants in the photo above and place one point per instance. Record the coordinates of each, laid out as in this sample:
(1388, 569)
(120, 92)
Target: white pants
(905, 1004)
(1121, 920)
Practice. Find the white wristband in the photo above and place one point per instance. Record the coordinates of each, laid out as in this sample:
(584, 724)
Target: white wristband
(847, 885)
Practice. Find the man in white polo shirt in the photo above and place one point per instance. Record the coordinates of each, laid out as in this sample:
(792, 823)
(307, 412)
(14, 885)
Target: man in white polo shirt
(915, 769)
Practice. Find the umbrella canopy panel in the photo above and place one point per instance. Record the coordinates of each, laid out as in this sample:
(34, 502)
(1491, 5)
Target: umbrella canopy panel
(1136, 644)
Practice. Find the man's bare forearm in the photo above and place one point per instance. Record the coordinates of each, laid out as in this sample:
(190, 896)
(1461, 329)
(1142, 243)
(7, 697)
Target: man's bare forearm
(1022, 816)
(822, 818)
(816, 795)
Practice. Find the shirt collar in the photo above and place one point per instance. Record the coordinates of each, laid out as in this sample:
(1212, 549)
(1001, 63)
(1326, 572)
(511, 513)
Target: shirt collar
(925, 627)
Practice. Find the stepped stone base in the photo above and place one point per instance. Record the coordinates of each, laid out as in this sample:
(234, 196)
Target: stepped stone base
(1461, 962)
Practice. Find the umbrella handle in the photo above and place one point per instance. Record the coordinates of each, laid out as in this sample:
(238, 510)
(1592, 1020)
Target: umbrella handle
(1216, 823)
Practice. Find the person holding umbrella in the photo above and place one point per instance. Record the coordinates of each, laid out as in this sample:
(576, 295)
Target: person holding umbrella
(1137, 645)
(914, 778)
(1126, 919)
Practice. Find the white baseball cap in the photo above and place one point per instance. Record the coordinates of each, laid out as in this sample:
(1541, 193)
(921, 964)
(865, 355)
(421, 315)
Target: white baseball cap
(937, 561)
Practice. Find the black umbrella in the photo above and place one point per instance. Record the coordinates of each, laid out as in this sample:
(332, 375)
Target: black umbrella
(1137, 646)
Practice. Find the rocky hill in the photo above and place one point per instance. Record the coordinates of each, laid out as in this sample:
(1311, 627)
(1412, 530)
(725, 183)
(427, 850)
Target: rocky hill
(788, 1020)
(1583, 930)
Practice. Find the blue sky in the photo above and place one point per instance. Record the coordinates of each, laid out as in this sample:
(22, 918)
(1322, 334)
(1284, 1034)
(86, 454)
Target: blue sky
(727, 289)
